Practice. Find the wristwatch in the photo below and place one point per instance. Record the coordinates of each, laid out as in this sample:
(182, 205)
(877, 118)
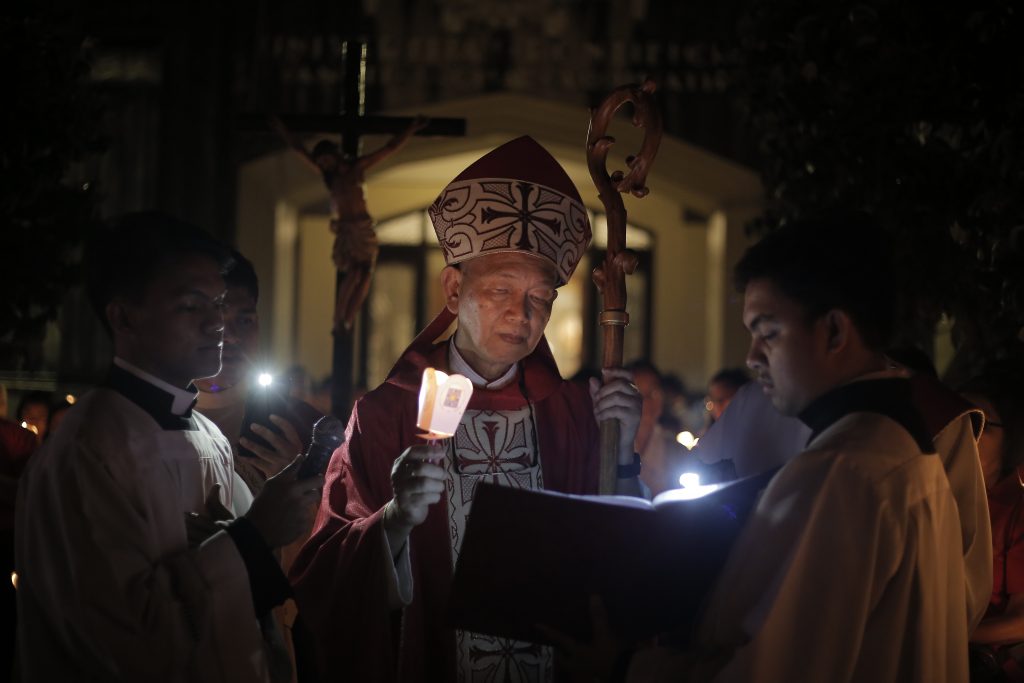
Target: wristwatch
(631, 470)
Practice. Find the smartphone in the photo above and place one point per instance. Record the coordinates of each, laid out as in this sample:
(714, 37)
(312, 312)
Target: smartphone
(261, 404)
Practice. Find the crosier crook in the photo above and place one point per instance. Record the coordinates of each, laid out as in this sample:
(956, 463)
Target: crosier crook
(610, 277)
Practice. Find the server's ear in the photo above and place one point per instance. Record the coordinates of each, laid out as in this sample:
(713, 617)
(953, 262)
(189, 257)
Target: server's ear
(119, 317)
(839, 329)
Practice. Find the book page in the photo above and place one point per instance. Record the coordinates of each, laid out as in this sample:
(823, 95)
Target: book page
(621, 501)
(688, 493)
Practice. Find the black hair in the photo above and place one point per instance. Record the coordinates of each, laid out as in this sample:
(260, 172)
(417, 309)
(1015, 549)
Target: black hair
(62, 404)
(122, 257)
(913, 359)
(643, 365)
(241, 274)
(734, 377)
(832, 261)
(674, 383)
(1002, 383)
(30, 397)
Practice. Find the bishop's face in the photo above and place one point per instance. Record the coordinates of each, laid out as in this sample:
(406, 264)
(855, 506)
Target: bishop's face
(174, 330)
(787, 352)
(503, 302)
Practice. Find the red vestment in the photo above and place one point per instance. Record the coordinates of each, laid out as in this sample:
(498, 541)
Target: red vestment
(1005, 502)
(340, 576)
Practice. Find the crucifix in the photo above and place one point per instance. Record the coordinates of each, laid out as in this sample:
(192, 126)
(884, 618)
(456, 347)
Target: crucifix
(342, 167)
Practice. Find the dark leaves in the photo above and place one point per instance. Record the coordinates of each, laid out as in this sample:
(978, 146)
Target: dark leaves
(914, 113)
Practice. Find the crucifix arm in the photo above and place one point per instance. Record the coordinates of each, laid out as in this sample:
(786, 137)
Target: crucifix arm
(393, 145)
(292, 141)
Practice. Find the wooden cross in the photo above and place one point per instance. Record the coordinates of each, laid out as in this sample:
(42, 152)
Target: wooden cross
(352, 124)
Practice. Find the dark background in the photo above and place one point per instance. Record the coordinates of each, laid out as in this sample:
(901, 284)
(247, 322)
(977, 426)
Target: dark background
(909, 111)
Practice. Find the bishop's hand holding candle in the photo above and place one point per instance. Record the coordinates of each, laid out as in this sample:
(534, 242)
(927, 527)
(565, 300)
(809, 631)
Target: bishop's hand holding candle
(417, 476)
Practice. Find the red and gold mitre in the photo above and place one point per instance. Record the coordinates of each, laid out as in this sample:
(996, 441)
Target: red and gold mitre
(516, 198)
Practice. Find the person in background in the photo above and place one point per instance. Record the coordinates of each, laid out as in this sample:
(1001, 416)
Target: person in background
(263, 446)
(16, 446)
(34, 413)
(298, 382)
(320, 398)
(998, 641)
(752, 435)
(663, 458)
(234, 396)
(722, 387)
(684, 408)
(57, 412)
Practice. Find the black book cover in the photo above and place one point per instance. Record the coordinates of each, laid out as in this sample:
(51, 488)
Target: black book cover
(535, 557)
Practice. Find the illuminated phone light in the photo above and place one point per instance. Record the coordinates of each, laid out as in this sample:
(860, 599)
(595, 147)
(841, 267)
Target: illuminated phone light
(689, 480)
(687, 439)
(70, 398)
(265, 379)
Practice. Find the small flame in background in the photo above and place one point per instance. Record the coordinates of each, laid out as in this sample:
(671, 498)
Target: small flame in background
(687, 439)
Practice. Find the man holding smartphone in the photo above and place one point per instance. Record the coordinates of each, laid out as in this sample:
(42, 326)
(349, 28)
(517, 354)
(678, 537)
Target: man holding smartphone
(265, 427)
(113, 585)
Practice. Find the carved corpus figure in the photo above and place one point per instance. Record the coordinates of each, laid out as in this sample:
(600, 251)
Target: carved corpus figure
(355, 243)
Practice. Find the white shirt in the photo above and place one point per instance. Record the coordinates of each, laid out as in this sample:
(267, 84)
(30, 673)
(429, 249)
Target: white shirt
(850, 569)
(109, 588)
(757, 437)
(753, 434)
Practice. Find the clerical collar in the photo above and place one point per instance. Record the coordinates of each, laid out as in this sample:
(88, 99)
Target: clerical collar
(170, 406)
(888, 396)
(459, 366)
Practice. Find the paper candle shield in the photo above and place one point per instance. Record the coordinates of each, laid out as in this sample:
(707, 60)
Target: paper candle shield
(443, 400)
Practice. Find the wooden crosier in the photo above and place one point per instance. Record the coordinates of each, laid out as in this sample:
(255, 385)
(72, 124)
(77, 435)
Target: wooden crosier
(610, 277)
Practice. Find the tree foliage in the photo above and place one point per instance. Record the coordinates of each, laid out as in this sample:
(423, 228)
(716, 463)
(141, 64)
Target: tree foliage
(914, 112)
(49, 122)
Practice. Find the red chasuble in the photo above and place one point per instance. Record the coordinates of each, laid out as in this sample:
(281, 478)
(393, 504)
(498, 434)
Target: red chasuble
(341, 575)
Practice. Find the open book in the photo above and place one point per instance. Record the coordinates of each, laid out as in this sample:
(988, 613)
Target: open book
(535, 557)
